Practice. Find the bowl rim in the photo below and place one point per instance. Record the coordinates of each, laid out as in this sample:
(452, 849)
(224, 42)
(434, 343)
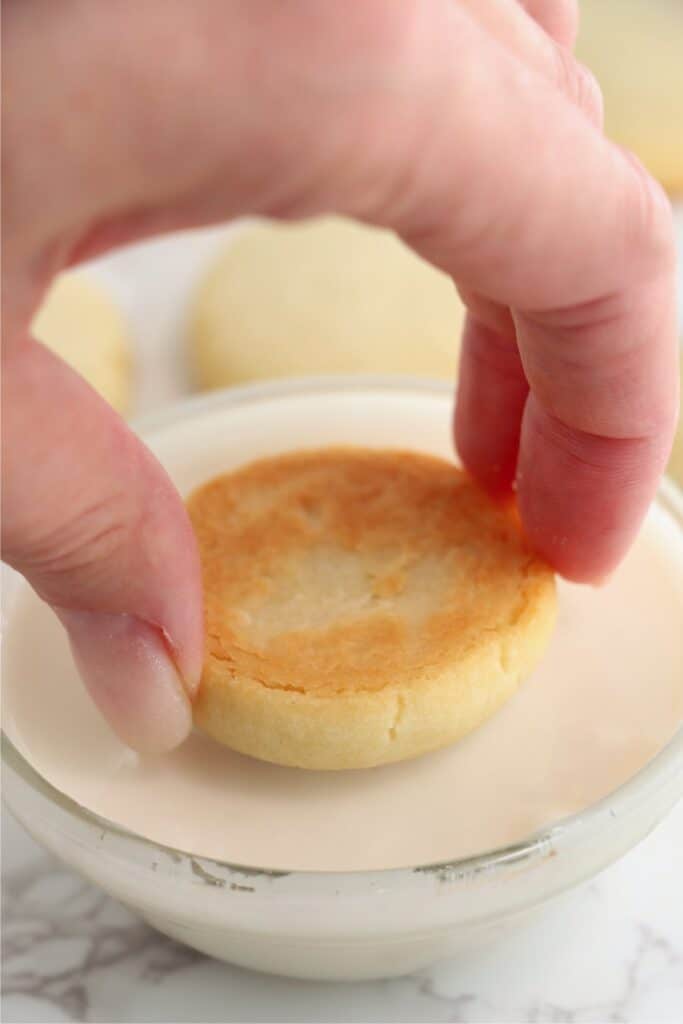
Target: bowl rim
(665, 766)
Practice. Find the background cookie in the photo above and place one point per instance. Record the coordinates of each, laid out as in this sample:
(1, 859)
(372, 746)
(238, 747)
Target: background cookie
(675, 467)
(635, 50)
(79, 322)
(362, 607)
(323, 296)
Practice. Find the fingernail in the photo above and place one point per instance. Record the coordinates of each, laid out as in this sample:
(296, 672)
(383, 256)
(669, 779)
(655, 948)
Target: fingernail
(127, 669)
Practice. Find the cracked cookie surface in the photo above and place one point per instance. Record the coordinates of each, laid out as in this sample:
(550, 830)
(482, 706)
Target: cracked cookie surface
(361, 607)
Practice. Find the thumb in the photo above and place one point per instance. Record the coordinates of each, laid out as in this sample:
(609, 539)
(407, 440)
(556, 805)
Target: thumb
(96, 526)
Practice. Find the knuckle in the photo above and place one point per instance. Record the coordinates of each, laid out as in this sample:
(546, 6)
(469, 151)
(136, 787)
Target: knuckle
(650, 234)
(588, 94)
(80, 549)
(579, 85)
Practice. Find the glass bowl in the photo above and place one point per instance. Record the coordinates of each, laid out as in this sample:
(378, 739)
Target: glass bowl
(341, 925)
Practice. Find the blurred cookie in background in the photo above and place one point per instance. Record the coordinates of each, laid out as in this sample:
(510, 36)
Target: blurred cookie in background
(675, 467)
(635, 50)
(82, 324)
(322, 296)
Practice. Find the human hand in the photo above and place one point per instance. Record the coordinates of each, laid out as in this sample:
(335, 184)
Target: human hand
(465, 126)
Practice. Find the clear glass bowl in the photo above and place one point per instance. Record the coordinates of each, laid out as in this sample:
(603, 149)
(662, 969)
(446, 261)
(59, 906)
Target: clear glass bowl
(341, 925)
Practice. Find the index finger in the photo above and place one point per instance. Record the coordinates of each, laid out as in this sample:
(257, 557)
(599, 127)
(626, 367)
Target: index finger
(598, 423)
(575, 237)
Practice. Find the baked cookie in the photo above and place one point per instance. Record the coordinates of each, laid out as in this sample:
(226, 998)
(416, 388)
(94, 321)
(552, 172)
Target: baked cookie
(80, 323)
(322, 296)
(635, 50)
(362, 607)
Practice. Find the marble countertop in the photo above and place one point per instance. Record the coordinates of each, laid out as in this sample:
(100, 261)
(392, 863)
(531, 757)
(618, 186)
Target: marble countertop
(610, 951)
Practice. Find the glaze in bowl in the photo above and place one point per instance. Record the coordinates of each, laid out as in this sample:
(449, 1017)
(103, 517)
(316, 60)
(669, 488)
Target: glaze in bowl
(353, 924)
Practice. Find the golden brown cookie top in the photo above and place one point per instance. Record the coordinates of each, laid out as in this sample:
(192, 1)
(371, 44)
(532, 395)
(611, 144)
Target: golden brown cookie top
(351, 569)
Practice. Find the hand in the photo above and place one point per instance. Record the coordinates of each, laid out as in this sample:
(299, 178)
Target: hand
(467, 127)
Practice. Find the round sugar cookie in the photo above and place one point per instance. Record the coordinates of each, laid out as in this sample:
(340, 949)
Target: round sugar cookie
(322, 296)
(362, 607)
(79, 322)
(635, 50)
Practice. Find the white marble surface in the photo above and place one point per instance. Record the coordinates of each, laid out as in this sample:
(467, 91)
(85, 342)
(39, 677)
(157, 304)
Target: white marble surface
(610, 951)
